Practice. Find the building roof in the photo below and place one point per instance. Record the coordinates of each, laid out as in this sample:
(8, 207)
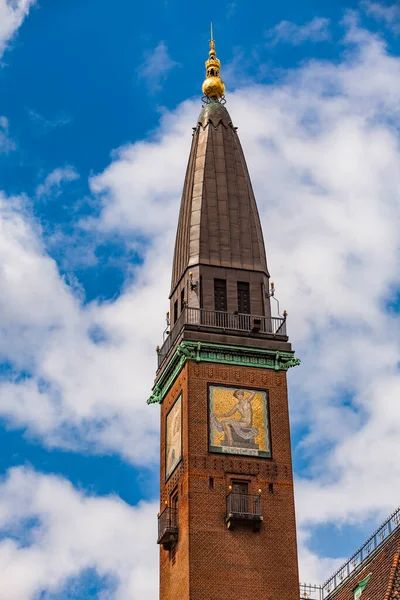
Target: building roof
(384, 571)
(374, 567)
(218, 223)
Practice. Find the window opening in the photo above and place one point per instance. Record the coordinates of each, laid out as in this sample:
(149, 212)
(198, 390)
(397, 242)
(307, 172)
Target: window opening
(182, 299)
(175, 311)
(201, 292)
(262, 298)
(174, 501)
(220, 298)
(240, 500)
(240, 487)
(243, 291)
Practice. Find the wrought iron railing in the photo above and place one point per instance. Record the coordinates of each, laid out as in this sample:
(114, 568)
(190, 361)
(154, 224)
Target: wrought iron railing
(167, 525)
(310, 592)
(212, 319)
(354, 562)
(243, 505)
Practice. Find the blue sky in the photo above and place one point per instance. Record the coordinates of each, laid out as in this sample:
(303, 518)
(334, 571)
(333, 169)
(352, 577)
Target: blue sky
(97, 104)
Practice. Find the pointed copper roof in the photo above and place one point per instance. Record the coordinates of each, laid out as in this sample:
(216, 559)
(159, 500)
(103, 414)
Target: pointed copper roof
(218, 223)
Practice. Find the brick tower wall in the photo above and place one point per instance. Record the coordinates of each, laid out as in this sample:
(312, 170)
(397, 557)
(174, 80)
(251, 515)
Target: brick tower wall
(211, 562)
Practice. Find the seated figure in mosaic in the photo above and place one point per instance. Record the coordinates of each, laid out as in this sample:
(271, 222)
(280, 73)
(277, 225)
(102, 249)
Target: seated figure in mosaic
(238, 432)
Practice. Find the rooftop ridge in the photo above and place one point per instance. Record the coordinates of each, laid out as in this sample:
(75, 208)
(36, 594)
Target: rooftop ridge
(359, 558)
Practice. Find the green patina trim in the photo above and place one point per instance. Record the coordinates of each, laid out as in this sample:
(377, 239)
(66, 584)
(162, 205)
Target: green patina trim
(218, 353)
(361, 585)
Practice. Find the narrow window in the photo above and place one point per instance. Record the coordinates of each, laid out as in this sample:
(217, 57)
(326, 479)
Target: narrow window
(182, 299)
(220, 299)
(243, 292)
(263, 299)
(174, 509)
(175, 311)
(211, 483)
(173, 522)
(271, 488)
(174, 501)
(201, 292)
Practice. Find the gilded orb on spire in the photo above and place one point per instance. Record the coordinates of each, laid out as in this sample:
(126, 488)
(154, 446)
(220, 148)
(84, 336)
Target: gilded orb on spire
(213, 86)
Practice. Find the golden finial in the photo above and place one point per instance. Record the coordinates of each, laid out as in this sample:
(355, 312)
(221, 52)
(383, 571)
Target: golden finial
(213, 86)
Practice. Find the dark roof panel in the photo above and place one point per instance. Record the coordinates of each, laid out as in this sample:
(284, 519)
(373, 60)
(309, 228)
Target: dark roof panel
(218, 222)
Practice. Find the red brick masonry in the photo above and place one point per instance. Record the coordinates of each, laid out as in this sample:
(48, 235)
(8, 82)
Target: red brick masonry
(211, 562)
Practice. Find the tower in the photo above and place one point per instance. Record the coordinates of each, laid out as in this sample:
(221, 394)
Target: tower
(227, 520)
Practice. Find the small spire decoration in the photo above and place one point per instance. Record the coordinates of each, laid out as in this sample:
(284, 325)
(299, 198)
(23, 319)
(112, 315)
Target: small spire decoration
(213, 86)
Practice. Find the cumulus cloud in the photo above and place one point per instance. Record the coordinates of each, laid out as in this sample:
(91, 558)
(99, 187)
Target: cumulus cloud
(51, 533)
(386, 13)
(323, 150)
(52, 185)
(74, 387)
(156, 67)
(316, 30)
(12, 15)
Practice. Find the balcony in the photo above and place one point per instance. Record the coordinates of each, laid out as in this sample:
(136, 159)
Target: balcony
(199, 318)
(168, 527)
(243, 508)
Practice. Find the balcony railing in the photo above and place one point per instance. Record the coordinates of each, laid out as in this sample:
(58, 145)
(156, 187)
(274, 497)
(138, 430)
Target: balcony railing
(211, 319)
(168, 527)
(243, 508)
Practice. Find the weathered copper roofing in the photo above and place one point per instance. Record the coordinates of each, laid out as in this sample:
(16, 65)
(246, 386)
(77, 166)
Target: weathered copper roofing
(218, 223)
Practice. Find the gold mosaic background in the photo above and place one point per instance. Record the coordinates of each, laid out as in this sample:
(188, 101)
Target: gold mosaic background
(222, 401)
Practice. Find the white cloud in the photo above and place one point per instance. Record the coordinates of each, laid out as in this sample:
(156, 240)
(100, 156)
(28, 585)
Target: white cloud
(387, 13)
(53, 183)
(134, 200)
(12, 15)
(51, 532)
(93, 388)
(316, 30)
(323, 151)
(156, 67)
(6, 143)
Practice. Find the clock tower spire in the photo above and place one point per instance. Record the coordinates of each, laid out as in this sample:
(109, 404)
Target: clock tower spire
(227, 520)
